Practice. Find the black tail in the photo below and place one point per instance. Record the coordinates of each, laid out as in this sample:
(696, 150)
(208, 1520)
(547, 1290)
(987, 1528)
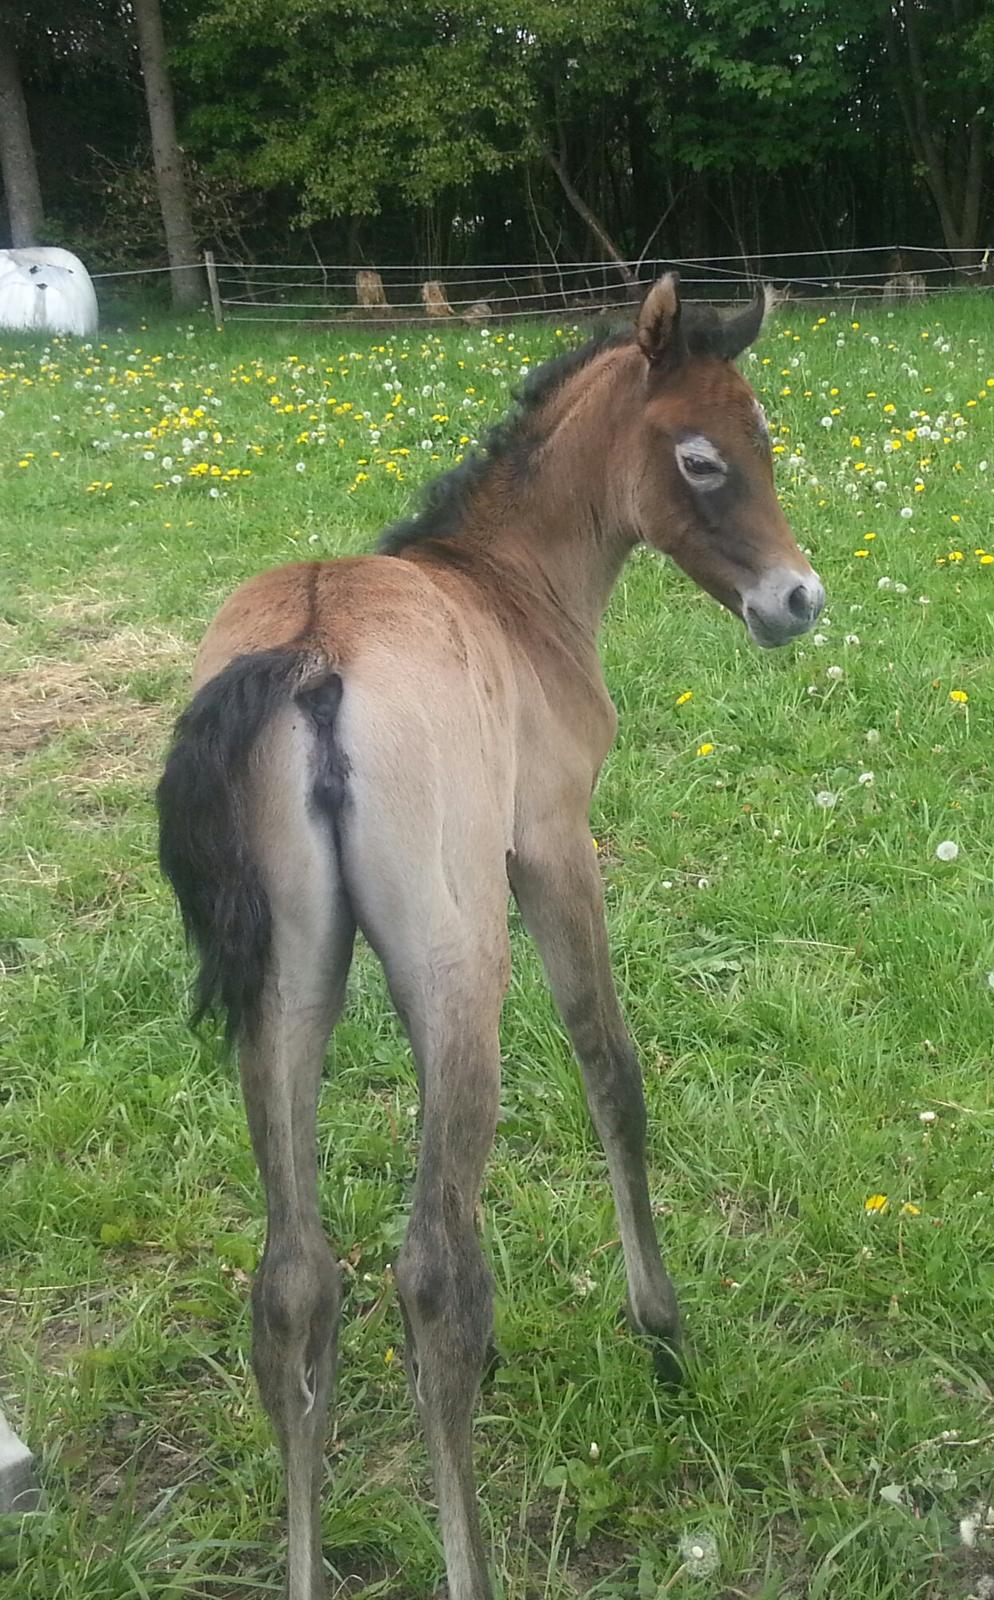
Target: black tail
(204, 847)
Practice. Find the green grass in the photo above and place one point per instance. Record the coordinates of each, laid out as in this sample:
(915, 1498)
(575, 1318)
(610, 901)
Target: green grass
(805, 982)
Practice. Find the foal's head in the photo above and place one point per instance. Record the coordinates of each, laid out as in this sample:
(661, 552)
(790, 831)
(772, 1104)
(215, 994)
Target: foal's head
(705, 490)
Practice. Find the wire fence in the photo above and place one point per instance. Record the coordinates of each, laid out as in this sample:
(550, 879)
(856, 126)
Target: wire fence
(327, 294)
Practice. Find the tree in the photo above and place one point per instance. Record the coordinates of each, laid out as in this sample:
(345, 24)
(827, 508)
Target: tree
(17, 156)
(941, 57)
(181, 244)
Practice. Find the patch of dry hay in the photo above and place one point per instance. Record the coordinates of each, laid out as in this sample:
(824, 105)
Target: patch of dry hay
(47, 696)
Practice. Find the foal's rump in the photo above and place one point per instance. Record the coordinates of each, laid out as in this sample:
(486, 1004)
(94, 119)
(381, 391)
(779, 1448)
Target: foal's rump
(362, 773)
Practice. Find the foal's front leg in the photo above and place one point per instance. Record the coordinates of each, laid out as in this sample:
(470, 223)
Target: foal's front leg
(557, 885)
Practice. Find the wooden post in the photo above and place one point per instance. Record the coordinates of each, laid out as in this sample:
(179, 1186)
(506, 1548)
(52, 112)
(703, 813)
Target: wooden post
(215, 292)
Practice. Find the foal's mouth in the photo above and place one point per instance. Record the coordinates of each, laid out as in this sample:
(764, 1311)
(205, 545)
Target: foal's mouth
(782, 606)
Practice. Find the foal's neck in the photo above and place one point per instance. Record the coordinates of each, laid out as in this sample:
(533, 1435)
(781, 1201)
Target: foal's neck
(564, 526)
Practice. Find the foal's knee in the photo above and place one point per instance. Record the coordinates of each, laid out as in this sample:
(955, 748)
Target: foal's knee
(296, 1300)
(616, 1097)
(446, 1291)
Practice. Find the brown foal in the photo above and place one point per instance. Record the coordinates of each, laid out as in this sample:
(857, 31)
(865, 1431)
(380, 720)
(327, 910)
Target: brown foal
(395, 742)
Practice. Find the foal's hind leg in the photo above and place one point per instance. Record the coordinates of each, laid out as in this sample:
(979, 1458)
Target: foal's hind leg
(442, 937)
(296, 1295)
(558, 888)
(442, 1278)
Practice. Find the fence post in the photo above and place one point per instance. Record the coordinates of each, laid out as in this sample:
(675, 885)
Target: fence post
(215, 292)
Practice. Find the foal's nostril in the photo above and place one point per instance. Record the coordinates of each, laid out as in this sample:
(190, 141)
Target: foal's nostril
(800, 602)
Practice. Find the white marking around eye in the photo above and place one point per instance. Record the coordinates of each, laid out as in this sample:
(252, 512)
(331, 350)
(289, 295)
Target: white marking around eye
(698, 445)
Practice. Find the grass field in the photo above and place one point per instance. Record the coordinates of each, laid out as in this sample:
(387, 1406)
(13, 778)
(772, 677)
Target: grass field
(797, 849)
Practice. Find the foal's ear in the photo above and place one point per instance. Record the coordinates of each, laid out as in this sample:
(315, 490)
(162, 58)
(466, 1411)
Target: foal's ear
(658, 326)
(738, 332)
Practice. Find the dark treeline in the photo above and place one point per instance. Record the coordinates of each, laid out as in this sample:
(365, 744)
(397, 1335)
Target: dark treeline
(471, 133)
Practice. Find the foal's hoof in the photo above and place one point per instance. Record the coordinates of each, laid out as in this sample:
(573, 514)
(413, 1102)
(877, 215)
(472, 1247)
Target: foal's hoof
(664, 1347)
(668, 1363)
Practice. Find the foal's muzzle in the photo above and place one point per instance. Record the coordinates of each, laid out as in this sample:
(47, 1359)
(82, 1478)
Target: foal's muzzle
(782, 605)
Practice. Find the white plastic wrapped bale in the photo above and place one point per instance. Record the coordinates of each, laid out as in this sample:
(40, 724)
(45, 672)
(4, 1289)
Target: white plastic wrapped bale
(45, 290)
(19, 1491)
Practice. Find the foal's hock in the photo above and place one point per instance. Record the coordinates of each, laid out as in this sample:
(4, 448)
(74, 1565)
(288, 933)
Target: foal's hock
(396, 742)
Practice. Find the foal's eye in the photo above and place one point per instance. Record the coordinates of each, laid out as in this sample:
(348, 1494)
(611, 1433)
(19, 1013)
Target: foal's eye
(703, 471)
(699, 466)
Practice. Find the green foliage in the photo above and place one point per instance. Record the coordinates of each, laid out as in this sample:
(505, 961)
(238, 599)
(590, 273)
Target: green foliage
(396, 133)
(347, 108)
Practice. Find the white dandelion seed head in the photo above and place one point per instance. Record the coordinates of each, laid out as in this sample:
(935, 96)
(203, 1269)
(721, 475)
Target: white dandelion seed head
(851, 638)
(826, 799)
(699, 1554)
(926, 1116)
(907, 512)
(835, 673)
(948, 850)
(301, 466)
(885, 583)
(865, 778)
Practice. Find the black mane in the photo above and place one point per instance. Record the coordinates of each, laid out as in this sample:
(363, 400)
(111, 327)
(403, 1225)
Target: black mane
(512, 441)
(444, 500)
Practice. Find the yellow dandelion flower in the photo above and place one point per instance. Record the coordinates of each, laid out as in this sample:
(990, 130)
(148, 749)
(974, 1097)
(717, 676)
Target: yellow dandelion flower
(681, 699)
(959, 697)
(705, 749)
(861, 553)
(876, 1204)
(909, 1210)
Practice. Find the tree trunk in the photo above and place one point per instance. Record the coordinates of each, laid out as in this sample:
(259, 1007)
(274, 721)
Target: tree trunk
(17, 156)
(594, 223)
(181, 244)
(954, 176)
